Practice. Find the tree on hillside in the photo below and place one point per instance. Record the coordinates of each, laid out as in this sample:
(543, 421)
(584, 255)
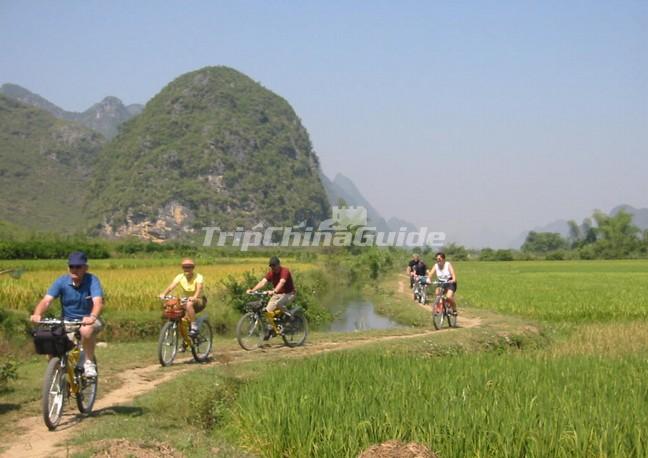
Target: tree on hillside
(543, 242)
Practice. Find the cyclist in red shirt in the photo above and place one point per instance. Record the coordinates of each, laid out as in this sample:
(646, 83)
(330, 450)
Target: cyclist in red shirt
(283, 291)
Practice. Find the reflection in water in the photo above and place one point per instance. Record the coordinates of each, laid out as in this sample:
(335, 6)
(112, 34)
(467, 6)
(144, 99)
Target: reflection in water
(360, 316)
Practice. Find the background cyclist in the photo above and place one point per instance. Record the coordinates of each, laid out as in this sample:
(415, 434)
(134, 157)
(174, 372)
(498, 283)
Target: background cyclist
(444, 272)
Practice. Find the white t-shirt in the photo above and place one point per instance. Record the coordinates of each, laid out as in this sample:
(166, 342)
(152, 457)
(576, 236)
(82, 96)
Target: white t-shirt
(443, 274)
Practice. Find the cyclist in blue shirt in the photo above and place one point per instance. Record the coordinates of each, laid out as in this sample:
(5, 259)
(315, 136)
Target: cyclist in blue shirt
(81, 299)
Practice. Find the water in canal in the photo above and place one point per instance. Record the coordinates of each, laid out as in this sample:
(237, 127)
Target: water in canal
(358, 315)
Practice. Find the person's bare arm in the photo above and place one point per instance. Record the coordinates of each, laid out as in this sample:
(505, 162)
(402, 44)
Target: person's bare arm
(454, 275)
(259, 285)
(97, 307)
(169, 288)
(41, 307)
(279, 287)
(199, 288)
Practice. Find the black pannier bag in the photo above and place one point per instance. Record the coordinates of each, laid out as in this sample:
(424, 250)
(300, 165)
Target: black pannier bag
(52, 341)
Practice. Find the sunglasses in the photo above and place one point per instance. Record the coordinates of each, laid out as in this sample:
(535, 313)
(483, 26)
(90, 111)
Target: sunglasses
(76, 267)
(188, 267)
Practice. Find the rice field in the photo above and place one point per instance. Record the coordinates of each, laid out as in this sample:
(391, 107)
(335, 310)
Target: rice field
(569, 291)
(583, 393)
(482, 405)
(129, 285)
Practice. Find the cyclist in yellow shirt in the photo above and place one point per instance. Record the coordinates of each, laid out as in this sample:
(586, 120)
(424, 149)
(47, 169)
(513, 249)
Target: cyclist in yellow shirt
(191, 286)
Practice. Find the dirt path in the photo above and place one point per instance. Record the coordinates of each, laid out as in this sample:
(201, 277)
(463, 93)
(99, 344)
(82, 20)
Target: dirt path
(37, 441)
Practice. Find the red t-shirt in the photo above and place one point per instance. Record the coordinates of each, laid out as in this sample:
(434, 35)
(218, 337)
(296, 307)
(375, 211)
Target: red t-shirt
(284, 273)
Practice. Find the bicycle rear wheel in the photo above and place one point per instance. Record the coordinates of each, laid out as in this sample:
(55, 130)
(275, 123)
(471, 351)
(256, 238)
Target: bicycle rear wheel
(201, 345)
(295, 331)
(54, 393)
(168, 343)
(87, 391)
(250, 331)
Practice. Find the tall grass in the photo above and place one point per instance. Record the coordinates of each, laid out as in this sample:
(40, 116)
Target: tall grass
(474, 405)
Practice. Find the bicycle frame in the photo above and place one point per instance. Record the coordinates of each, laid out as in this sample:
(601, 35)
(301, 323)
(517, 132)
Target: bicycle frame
(64, 377)
(256, 323)
(178, 325)
(441, 309)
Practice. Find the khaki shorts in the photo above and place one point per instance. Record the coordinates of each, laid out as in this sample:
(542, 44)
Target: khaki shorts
(199, 304)
(281, 301)
(97, 326)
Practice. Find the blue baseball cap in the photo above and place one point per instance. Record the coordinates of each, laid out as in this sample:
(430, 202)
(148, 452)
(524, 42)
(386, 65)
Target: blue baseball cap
(78, 258)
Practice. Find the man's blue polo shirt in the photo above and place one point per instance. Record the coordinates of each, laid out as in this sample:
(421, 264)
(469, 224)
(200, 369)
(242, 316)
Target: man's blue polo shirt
(76, 302)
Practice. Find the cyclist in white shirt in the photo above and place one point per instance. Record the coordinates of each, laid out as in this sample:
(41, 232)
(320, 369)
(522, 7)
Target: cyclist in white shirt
(444, 272)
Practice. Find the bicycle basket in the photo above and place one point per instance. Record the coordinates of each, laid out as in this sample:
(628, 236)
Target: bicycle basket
(254, 306)
(51, 341)
(172, 313)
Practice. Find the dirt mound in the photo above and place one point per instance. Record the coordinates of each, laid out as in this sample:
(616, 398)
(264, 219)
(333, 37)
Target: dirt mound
(122, 448)
(397, 449)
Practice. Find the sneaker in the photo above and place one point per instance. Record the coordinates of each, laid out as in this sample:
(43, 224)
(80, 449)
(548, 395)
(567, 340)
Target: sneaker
(89, 369)
(193, 332)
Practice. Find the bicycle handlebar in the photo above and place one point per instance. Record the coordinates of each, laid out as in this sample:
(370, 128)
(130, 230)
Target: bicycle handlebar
(258, 293)
(168, 298)
(58, 321)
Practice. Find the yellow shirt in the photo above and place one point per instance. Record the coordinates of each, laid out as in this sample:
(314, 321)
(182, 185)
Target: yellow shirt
(189, 286)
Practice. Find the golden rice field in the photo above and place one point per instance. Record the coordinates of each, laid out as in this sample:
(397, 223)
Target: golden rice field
(127, 284)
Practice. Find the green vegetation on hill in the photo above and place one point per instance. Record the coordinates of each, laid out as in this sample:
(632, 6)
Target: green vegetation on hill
(104, 117)
(220, 147)
(44, 166)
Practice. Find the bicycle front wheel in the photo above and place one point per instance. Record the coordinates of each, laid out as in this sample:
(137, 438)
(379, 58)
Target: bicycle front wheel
(438, 315)
(201, 345)
(168, 343)
(87, 391)
(54, 393)
(295, 331)
(250, 331)
(452, 319)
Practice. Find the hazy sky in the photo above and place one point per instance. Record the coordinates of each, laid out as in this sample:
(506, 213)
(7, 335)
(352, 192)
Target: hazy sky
(481, 119)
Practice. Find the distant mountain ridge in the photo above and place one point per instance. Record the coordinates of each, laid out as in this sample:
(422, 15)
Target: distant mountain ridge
(342, 188)
(104, 117)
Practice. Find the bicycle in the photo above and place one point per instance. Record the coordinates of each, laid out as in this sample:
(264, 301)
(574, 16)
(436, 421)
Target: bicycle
(253, 329)
(441, 310)
(420, 289)
(175, 332)
(64, 376)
